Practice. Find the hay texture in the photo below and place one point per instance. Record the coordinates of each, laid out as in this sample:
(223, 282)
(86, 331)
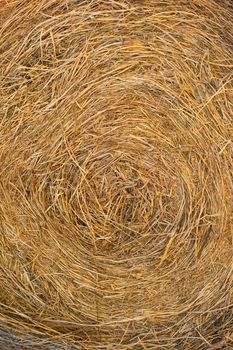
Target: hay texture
(115, 174)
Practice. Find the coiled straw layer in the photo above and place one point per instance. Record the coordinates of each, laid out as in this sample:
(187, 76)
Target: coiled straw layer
(115, 163)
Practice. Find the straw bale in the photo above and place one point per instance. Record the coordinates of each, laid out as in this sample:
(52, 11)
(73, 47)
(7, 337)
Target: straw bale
(116, 174)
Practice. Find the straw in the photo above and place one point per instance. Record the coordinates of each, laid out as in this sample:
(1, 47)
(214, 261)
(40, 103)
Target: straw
(116, 174)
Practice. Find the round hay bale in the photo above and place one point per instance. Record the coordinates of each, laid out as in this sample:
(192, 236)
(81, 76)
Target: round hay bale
(115, 174)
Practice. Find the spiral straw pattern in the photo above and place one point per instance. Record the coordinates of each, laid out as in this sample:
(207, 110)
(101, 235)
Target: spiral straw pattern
(116, 174)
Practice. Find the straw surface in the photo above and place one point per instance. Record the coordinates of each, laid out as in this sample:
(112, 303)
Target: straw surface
(115, 174)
